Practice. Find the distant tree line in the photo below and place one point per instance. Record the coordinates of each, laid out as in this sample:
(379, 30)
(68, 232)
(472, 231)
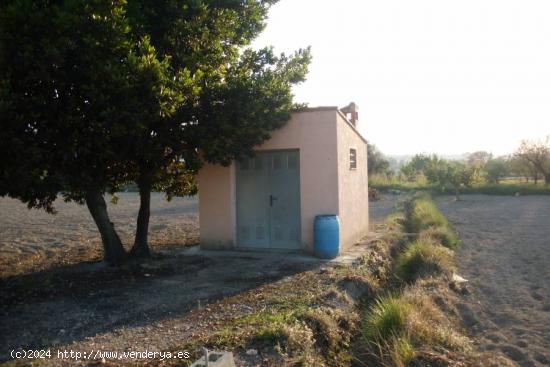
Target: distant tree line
(530, 162)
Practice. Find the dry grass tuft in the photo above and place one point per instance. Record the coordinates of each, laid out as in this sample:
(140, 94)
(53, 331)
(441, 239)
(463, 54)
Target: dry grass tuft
(398, 325)
(422, 258)
(429, 324)
(443, 235)
(421, 213)
(386, 318)
(407, 328)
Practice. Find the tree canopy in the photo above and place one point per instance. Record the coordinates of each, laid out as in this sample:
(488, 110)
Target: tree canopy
(537, 155)
(96, 94)
(417, 166)
(376, 161)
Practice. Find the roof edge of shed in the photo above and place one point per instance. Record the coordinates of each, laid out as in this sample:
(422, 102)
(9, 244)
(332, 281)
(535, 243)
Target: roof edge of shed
(338, 111)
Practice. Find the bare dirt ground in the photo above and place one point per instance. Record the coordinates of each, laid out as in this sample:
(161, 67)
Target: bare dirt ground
(56, 293)
(505, 255)
(34, 239)
(380, 209)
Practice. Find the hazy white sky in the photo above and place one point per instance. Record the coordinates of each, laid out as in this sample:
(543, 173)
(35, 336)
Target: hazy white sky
(428, 75)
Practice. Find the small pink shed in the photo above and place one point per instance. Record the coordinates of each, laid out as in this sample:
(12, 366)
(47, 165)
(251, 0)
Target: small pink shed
(315, 164)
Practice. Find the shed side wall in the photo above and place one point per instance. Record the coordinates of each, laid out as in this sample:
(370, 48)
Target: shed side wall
(353, 189)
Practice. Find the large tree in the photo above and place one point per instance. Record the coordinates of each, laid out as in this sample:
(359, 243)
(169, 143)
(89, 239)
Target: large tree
(496, 169)
(536, 154)
(63, 78)
(418, 166)
(96, 94)
(521, 168)
(376, 161)
(450, 175)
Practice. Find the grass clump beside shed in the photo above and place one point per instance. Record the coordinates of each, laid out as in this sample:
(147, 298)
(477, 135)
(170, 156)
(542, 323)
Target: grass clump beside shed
(421, 214)
(423, 258)
(430, 254)
(398, 327)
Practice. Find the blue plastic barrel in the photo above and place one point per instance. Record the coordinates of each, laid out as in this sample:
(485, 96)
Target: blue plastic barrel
(326, 231)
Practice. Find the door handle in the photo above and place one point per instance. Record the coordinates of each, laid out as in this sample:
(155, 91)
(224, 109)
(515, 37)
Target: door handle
(271, 200)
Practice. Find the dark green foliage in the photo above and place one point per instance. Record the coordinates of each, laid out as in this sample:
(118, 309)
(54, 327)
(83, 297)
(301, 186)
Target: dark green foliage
(387, 317)
(62, 88)
(97, 94)
(422, 258)
(430, 253)
(451, 175)
(421, 213)
(442, 234)
(487, 189)
(417, 166)
(508, 189)
(377, 162)
(441, 173)
(496, 170)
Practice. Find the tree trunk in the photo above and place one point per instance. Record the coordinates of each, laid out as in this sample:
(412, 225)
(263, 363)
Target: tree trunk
(457, 195)
(457, 192)
(547, 178)
(141, 246)
(113, 251)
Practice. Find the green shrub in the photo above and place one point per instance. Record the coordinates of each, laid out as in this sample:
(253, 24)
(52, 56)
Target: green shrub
(423, 214)
(384, 184)
(442, 235)
(401, 351)
(385, 319)
(508, 189)
(395, 221)
(395, 326)
(385, 331)
(423, 257)
(272, 334)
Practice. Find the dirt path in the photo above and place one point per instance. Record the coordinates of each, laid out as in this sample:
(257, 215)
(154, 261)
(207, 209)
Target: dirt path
(380, 209)
(505, 254)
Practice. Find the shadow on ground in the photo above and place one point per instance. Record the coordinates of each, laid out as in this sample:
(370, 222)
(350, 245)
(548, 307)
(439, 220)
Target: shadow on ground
(140, 306)
(77, 303)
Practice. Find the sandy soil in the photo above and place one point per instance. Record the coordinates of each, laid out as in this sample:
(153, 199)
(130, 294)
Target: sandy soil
(33, 239)
(505, 254)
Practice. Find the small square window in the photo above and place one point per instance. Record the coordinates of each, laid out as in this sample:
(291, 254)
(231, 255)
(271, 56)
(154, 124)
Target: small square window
(352, 159)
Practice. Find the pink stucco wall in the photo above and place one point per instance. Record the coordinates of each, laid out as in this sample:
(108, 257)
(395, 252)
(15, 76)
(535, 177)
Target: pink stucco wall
(323, 138)
(353, 191)
(217, 214)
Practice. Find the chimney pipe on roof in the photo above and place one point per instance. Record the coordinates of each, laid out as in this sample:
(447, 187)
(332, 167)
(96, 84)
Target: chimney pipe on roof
(351, 112)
